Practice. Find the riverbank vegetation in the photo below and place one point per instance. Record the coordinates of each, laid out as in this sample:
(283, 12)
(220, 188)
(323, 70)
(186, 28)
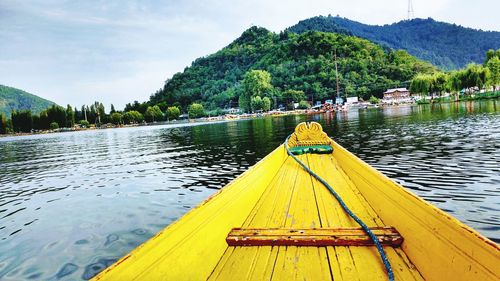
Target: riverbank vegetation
(56, 117)
(475, 81)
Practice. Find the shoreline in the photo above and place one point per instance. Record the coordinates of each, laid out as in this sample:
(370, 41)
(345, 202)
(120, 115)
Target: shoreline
(225, 118)
(214, 119)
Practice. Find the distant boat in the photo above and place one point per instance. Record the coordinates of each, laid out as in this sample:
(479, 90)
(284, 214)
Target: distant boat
(277, 221)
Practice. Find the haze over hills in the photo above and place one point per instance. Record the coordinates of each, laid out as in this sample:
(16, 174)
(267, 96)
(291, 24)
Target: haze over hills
(301, 62)
(15, 99)
(448, 46)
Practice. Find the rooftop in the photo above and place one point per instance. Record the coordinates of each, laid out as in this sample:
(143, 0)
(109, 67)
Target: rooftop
(396, 90)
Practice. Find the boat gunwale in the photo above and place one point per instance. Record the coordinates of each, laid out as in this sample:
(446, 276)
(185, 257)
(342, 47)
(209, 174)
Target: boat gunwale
(180, 220)
(454, 221)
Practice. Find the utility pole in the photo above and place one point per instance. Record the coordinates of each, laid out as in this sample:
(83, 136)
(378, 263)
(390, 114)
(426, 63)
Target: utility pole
(411, 14)
(336, 73)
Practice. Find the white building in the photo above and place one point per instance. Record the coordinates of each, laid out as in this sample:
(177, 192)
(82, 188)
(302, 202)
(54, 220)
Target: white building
(351, 100)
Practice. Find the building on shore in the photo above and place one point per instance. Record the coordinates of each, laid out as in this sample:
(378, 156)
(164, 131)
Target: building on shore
(352, 100)
(397, 95)
(232, 110)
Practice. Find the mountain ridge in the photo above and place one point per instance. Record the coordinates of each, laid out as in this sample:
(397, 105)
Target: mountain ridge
(446, 45)
(16, 99)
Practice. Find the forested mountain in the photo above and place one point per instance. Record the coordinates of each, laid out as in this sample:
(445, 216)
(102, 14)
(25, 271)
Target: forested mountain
(303, 62)
(15, 99)
(448, 46)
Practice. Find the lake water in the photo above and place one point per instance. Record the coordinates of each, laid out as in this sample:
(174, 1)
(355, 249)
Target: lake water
(73, 203)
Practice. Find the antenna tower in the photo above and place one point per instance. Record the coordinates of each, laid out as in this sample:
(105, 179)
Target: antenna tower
(411, 14)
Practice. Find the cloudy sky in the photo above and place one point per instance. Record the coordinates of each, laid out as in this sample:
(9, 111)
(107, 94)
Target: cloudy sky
(113, 51)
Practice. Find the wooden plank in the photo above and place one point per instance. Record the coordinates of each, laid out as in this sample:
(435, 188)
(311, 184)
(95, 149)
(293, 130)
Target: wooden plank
(354, 263)
(440, 246)
(257, 263)
(343, 236)
(302, 263)
(272, 211)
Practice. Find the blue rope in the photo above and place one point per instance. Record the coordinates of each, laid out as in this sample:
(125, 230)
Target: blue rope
(372, 236)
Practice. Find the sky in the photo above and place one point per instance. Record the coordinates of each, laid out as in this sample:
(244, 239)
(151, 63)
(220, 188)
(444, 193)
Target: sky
(115, 52)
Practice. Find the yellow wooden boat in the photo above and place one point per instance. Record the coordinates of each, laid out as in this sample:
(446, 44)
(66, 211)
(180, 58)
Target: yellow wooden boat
(278, 222)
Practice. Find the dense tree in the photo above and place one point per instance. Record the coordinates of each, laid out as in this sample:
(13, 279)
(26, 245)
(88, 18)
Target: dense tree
(196, 110)
(421, 84)
(84, 123)
(100, 112)
(163, 106)
(437, 42)
(475, 76)
(55, 113)
(22, 121)
(439, 83)
(54, 126)
(3, 124)
(455, 82)
(255, 83)
(244, 103)
(256, 103)
(304, 105)
(494, 66)
(137, 106)
(374, 100)
(173, 113)
(116, 118)
(84, 113)
(266, 104)
(70, 116)
(226, 98)
(133, 116)
(490, 54)
(300, 62)
(153, 113)
(291, 96)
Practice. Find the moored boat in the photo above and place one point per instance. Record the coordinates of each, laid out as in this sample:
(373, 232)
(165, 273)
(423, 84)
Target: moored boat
(311, 210)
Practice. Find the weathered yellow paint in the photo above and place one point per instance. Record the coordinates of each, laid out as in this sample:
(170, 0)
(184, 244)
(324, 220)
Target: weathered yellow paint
(277, 193)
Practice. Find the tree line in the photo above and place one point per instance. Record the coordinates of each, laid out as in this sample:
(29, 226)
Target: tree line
(56, 117)
(474, 77)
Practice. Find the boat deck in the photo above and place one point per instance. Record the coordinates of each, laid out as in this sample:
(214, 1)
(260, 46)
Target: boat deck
(293, 199)
(278, 193)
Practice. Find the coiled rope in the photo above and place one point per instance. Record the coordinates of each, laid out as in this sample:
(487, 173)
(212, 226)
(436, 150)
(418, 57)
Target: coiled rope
(372, 236)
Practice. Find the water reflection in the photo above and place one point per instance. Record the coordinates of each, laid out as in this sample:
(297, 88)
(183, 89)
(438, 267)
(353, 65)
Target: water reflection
(73, 203)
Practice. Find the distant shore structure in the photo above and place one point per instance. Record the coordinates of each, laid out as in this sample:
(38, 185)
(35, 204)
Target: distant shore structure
(397, 95)
(411, 13)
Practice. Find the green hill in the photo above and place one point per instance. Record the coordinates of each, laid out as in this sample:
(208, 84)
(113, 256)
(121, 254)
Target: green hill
(448, 46)
(295, 61)
(15, 99)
